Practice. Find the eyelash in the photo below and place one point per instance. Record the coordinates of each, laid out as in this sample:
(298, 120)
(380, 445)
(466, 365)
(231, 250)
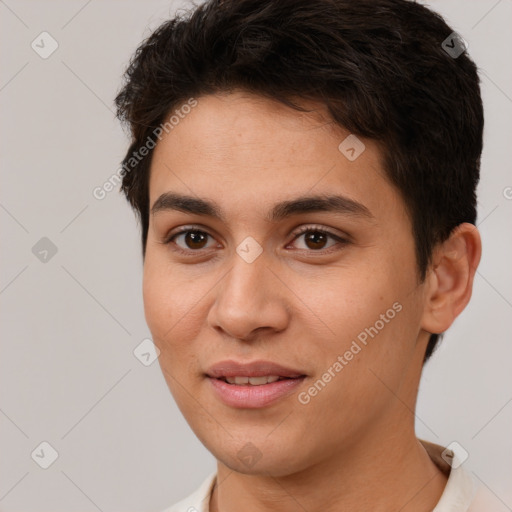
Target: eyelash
(296, 234)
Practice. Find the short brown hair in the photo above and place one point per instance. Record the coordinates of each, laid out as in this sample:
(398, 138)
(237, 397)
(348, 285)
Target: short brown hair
(379, 66)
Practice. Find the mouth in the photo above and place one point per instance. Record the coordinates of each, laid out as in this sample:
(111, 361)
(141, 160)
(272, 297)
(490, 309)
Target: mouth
(253, 385)
(253, 381)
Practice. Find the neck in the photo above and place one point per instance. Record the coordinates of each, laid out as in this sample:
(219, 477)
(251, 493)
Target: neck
(392, 473)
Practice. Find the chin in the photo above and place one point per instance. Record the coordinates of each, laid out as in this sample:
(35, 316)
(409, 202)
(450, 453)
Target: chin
(249, 456)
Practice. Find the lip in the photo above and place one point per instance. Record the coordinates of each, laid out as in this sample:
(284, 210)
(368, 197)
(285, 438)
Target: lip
(252, 369)
(253, 397)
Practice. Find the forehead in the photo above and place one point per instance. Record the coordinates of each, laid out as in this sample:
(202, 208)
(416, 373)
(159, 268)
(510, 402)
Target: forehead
(241, 149)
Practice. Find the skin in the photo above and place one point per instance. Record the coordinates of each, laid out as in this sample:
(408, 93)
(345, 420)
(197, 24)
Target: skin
(353, 446)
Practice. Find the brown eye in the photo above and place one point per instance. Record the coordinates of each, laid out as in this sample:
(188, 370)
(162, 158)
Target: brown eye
(315, 240)
(190, 240)
(195, 239)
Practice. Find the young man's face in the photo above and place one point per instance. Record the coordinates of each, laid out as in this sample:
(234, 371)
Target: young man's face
(345, 314)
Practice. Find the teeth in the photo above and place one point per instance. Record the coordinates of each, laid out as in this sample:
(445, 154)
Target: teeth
(252, 381)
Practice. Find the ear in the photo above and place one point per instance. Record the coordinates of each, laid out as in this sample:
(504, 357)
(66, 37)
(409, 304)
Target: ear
(449, 280)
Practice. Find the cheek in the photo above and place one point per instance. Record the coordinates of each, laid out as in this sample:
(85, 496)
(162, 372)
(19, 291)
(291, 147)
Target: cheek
(170, 303)
(157, 297)
(345, 301)
(170, 309)
(370, 315)
(357, 381)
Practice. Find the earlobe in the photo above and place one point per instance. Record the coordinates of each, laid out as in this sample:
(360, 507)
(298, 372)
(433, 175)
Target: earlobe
(449, 281)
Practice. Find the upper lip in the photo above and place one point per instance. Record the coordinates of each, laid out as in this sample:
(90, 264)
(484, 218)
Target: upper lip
(251, 369)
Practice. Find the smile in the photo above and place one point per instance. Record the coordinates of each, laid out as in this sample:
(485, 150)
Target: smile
(252, 385)
(252, 381)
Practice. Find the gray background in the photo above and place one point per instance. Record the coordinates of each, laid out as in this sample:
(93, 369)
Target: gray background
(68, 374)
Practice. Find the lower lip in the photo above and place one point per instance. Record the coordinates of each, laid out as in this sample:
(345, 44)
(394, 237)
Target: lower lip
(254, 397)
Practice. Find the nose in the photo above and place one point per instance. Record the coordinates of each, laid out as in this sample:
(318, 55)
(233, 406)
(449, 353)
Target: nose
(249, 299)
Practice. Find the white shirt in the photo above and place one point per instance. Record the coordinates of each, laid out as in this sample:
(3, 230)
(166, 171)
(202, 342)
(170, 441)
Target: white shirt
(457, 496)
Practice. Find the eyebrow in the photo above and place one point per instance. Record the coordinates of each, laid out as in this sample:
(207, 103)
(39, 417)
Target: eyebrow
(282, 210)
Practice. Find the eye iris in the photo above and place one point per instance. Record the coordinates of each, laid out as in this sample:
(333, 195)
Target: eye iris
(195, 239)
(317, 238)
